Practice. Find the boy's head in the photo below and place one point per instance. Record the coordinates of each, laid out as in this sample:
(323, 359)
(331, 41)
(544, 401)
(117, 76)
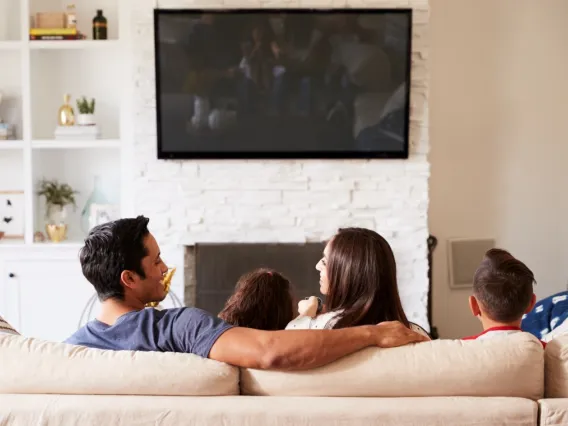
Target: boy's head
(502, 288)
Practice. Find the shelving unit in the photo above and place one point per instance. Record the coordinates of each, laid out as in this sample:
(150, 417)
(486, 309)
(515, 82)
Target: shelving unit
(34, 77)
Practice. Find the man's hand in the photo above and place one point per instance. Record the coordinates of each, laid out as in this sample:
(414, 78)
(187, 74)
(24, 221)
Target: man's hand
(308, 307)
(390, 334)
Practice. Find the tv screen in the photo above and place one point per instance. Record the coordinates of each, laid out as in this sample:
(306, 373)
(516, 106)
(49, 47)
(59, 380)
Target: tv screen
(283, 83)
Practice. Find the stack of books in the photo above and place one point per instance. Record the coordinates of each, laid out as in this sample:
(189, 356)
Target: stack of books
(77, 132)
(55, 34)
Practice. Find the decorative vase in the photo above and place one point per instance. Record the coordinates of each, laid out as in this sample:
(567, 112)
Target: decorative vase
(66, 115)
(95, 197)
(56, 233)
(86, 120)
(56, 214)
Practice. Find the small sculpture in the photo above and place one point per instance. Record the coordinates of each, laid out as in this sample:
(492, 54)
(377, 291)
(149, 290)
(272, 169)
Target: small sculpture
(66, 115)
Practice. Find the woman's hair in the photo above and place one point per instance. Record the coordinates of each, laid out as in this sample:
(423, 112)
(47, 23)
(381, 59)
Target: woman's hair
(262, 300)
(361, 271)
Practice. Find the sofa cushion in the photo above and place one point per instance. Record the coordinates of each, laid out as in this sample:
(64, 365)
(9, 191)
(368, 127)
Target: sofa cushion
(35, 366)
(553, 412)
(510, 366)
(96, 410)
(6, 328)
(556, 368)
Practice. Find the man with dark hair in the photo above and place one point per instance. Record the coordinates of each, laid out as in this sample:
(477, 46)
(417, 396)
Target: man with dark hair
(122, 261)
(502, 294)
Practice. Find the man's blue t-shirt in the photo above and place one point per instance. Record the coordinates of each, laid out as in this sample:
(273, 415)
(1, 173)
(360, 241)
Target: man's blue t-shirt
(188, 330)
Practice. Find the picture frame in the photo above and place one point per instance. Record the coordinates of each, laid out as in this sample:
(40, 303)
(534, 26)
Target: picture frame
(103, 213)
(12, 214)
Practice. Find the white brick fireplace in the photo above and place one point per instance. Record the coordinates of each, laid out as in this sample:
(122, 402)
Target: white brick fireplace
(285, 200)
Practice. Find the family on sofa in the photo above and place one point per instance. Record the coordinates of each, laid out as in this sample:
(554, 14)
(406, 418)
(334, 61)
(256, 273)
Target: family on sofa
(258, 327)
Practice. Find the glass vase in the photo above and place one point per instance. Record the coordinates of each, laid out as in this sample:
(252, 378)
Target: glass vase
(95, 197)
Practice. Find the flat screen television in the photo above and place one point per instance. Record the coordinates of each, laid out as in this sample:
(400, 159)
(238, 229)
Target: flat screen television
(292, 83)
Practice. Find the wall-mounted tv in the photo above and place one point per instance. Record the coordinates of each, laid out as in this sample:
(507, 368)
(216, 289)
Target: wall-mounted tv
(292, 83)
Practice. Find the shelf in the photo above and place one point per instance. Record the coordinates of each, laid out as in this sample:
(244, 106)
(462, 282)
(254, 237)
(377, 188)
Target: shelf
(88, 73)
(76, 144)
(14, 247)
(11, 144)
(82, 169)
(10, 45)
(73, 44)
(7, 243)
(54, 246)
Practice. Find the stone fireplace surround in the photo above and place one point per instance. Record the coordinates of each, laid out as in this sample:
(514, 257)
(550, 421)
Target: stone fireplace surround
(283, 201)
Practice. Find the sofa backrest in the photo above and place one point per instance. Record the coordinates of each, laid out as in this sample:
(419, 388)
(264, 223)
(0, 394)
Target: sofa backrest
(509, 366)
(30, 365)
(556, 367)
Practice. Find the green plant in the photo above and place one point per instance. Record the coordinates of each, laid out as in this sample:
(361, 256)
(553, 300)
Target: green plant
(86, 107)
(56, 194)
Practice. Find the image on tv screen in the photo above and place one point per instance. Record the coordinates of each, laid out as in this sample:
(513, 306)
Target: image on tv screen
(282, 84)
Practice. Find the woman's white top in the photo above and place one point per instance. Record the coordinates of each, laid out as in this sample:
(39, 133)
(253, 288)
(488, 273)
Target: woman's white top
(321, 322)
(327, 321)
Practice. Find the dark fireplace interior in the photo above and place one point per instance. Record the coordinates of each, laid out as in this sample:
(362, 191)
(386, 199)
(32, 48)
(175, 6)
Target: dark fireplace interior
(212, 270)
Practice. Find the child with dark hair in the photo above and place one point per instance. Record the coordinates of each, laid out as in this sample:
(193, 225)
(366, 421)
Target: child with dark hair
(502, 294)
(262, 300)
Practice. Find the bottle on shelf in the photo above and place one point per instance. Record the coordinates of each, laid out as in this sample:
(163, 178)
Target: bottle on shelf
(71, 16)
(99, 26)
(66, 115)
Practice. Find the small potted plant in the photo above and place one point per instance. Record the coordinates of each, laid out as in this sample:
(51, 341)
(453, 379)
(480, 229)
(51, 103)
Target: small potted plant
(57, 197)
(86, 115)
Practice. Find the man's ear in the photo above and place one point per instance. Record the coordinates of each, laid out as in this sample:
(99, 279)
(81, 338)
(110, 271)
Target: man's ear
(128, 278)
(474, 306)
(531, 305)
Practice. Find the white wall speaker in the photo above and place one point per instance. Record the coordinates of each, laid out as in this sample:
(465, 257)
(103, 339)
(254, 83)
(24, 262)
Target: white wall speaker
(464, 256)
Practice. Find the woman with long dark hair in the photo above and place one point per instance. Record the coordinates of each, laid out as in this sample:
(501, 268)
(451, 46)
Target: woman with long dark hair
(358, 278)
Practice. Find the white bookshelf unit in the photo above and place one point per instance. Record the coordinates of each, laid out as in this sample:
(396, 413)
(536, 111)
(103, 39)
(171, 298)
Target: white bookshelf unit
(34, 77)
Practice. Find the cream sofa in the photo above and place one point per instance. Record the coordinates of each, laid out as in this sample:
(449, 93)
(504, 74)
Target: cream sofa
(443, 382)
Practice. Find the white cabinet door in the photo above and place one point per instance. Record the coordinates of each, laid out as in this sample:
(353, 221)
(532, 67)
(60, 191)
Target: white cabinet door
(50, 296)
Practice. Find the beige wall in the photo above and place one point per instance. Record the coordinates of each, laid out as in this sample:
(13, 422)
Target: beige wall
(499, 139)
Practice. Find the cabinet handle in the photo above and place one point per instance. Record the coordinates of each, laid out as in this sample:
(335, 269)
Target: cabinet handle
(11, 275)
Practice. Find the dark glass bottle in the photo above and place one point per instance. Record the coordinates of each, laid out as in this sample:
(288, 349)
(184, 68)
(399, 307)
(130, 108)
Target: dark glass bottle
(99, 26)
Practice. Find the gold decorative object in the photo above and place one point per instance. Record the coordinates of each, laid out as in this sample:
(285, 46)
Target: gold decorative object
(66, 115)
(56, 233)
(167, 282)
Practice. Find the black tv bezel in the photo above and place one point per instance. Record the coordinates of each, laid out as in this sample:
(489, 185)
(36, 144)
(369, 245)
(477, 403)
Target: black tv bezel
(269, 155)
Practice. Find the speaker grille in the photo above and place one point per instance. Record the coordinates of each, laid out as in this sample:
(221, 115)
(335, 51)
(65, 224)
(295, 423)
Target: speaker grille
(464, 256)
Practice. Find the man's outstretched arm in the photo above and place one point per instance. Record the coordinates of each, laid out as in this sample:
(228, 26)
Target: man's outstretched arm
(304, 349)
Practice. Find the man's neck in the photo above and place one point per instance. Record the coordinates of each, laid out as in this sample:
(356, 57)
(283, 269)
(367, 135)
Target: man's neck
(488, 323)
(112, 309)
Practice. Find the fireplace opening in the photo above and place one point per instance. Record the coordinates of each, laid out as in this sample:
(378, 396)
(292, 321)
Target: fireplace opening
(212, 269)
